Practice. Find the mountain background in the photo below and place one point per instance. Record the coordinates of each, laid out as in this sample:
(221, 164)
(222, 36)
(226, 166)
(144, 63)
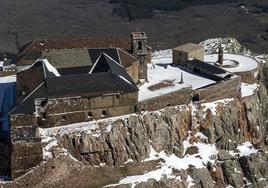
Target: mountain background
(167, 23)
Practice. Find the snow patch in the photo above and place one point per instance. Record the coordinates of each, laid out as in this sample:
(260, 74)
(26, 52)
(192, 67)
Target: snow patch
(8, 79)
(213, 105)
(244, 149)
(206, 153)
(248, 89)
(245, 63)
(50, 68)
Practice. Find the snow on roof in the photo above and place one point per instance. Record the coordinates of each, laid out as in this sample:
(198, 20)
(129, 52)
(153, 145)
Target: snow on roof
(245, 63)
(248, 89)
(50, 68)
(8, 79)
(160, 70)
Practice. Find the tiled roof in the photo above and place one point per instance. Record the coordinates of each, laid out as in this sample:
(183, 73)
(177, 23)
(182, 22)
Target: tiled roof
(68, 43)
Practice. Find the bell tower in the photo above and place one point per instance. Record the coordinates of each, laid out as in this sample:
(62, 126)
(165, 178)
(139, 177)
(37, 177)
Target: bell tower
(139, 50)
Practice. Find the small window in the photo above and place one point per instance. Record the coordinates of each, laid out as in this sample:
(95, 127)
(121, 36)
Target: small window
(43, 103)
(196, 98)
(139, 45)
(104, 113)
(44, 115)
(64, 118)
(89, 115)
(117, 96)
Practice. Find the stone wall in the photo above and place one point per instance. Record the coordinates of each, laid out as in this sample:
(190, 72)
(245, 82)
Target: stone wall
(26, 145)
(180, 57)
(7, 73)
(182, 96)
(133, 71)
(226, 89)
(58, 112)
(249, 77)
(25, 155)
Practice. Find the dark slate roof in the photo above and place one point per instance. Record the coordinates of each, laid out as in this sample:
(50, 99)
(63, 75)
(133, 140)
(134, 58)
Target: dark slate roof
(106, 64)
(45, 71)
(68, 43)
(74, 70)
(95, 53)
(27, 105)
(88, 85)
(208, 68)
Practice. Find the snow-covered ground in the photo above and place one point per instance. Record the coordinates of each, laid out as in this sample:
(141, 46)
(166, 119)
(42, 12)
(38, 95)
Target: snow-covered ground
(161, 70)
(8, 79)
(245, 63)
(248, 89)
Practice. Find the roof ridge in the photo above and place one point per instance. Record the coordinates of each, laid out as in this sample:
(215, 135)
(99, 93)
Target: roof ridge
(113, 60)
(127, 53)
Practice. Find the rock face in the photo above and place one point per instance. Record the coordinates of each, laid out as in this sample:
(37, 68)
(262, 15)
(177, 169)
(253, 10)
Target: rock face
(132, 138)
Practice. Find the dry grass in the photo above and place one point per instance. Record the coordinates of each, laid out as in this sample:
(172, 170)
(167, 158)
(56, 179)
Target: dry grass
(163, 84)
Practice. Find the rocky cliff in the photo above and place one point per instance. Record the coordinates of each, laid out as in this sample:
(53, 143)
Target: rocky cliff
(217, 144)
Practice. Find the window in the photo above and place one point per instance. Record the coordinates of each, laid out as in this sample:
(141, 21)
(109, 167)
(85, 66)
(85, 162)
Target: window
(44, 116)
(43, 103)
(89, 115)
(196, 97)
(139, 45)
(117, 96)
(64, 118)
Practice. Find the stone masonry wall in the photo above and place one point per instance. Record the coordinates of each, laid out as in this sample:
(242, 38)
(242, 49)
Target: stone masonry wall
(7, 73)
(133, 71)
(25, 155)
(58, 112)
(26, 146)
(249, 77)
(226, 89)
(182, 96)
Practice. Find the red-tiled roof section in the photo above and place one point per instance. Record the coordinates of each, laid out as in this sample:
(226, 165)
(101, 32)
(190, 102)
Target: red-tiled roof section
(91, 42)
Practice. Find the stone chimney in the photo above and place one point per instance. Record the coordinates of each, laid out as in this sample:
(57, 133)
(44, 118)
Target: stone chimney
(220, 56)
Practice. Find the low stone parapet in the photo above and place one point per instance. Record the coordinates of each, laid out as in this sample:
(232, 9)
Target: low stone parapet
(182, 96)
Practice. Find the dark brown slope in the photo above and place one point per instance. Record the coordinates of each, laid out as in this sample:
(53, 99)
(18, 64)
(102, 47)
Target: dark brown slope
(67, 18)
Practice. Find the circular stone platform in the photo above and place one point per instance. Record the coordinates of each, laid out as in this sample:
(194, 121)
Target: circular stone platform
(234, 63)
